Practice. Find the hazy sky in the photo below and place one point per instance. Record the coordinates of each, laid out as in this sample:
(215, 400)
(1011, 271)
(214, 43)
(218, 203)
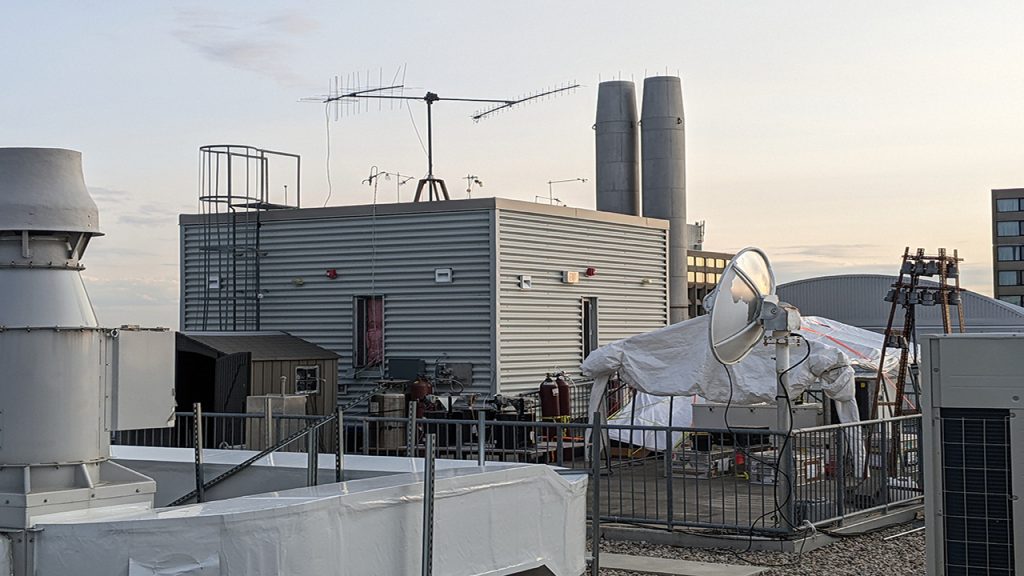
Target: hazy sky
(830, 134)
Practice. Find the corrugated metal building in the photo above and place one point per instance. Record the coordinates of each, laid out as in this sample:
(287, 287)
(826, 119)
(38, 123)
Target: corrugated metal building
(485, 281)
(858, 299)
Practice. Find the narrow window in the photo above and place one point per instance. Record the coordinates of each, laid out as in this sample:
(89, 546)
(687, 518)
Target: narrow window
(589, 325)
(369, 327)
(1008, 253)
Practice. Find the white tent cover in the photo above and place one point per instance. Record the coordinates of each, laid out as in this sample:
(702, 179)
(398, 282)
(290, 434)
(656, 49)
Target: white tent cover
(676, 361)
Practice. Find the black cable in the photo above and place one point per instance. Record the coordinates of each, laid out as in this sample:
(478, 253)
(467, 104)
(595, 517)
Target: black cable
(776, 466)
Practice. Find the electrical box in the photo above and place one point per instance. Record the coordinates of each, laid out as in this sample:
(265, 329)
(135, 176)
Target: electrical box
(570, 277)
(973, 425)
(141, 375)
(711, 415)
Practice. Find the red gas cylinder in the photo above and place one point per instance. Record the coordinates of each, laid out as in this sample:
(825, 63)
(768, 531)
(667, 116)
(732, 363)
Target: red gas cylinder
(564, 403)
(418, 392)
(549, 407)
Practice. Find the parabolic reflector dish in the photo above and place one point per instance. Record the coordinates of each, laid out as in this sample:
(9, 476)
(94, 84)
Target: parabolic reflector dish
(734, 325)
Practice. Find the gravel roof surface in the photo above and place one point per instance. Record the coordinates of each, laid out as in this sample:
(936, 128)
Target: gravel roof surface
(866, 555)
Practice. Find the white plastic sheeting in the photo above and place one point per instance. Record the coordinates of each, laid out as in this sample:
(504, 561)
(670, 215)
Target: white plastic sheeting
(862, 347)
(650, 410)
(677, 361)
(490, 521)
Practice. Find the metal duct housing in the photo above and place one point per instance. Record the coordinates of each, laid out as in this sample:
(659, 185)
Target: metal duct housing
(616, 146)
(51, 401)
(663, 148)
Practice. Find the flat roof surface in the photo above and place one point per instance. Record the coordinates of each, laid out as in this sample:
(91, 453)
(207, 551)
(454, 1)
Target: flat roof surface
(466, 205)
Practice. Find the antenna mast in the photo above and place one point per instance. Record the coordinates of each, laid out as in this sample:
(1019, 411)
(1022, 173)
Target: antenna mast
(435, 187)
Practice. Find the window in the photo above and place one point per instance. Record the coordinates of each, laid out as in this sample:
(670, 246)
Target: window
(1015, 300)
(1009, 277)
(719, 263)
(1008, 205)
(698, 261)
(1008, 253)
(701, 278)
(1011, 228)
(691, 277)
(589, 326)
(689, 260)
(307, 379)
(369, 336)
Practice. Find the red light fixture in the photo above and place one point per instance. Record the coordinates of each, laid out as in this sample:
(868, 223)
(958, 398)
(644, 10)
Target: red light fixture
(591, 271)
(332, 273)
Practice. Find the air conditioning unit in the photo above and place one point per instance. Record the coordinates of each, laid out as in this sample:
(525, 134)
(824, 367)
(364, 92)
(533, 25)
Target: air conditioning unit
(974, 426)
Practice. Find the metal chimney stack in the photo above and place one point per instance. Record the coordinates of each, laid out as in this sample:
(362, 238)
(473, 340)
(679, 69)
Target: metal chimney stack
(663, 148)
(618, 168)
(64, 384)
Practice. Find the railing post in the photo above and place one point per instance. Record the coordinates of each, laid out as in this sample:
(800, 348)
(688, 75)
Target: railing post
(268, 420)
(428, 507)
(339, 450)
(481, 439)
(840, 472)
(410, 431)
(668, 476)
(595, 510)
(884, 439)
(312, 456)
(197, 441)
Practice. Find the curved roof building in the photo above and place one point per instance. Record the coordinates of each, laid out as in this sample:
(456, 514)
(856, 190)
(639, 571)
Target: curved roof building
(859, 299)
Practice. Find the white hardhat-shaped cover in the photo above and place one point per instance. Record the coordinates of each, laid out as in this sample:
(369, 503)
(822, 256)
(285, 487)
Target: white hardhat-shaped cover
(42, 189)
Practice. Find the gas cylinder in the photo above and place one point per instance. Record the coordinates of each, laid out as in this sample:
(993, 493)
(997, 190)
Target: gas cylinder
(549, 407)
(564, 403)
(418, 392)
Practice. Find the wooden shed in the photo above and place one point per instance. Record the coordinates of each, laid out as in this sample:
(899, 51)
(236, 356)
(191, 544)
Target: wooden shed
(220, 369)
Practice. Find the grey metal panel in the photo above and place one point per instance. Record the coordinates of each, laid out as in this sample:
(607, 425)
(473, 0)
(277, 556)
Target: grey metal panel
(858, 299)
(617, 148)
(540, 329)
(393, 255)
(663, 147)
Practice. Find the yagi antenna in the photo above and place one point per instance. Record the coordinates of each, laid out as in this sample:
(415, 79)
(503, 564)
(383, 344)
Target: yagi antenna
(481, 114)
(354, 92)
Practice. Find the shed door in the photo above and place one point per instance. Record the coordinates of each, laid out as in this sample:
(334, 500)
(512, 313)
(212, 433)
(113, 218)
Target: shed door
(232, 382)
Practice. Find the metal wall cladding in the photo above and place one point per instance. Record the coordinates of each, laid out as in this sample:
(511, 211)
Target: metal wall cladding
(541, 329)
(859, 300)
(391, 255)
(51, 403)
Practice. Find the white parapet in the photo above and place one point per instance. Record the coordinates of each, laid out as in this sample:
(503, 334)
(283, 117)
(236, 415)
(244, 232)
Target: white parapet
(494, 520)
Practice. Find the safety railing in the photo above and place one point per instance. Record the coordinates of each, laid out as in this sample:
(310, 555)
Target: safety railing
(657, 476)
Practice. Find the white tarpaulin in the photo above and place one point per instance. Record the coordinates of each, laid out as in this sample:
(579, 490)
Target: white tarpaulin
(862, 347)
(677, 361)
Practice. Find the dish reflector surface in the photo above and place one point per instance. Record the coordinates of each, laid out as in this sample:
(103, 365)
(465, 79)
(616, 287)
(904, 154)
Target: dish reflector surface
(734, 326)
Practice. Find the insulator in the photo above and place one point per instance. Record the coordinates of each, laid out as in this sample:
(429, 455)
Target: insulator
(927, 298)
(931, 268)
(954, 298)
(891, 296)
(921, 268)
(952, 270)
(907, 268)
(912, 298)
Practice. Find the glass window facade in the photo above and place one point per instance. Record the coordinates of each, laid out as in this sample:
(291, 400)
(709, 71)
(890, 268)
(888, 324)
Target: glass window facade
(1008, 205)
(1010, 228)
(1008, 253)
